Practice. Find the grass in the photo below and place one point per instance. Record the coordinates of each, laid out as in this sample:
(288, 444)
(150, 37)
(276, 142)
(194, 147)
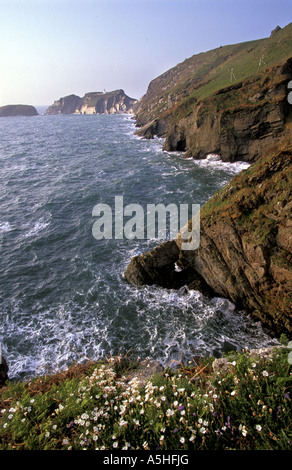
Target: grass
(200, 77)
(252, 197)
(93, 406)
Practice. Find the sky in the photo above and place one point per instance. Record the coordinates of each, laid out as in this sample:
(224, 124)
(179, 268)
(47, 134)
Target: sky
(53, 48)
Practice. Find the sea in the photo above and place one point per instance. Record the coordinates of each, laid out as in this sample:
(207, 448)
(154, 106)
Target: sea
(63, 295)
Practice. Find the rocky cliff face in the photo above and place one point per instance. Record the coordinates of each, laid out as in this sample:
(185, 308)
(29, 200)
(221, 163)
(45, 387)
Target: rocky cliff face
(245, 251)
(66, 105)
(238, 122)
(114, 102)
(18, 110)
(231, 101)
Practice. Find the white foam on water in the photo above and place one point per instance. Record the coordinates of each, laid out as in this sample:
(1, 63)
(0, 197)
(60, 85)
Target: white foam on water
(93, 307)
(5, 227)
(37, 227)
(164, 323)
(213, 157)
(214, 161)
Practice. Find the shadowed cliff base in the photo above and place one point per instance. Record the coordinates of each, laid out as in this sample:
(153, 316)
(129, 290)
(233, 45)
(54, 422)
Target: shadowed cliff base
(245, 250)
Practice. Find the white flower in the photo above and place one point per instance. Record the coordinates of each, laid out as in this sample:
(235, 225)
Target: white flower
(258, 427)
(265, 373)
(182, 440)
(243, 430)
(233, 392)
(169, 412)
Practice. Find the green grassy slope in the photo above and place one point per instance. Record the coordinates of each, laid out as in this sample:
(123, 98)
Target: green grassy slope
(204, 74)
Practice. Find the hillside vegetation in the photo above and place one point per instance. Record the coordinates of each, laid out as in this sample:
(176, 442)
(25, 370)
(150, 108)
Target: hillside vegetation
(218, 101)
(103, 405)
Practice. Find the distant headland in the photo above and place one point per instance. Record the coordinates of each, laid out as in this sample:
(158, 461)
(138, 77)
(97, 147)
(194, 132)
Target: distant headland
(18, 110)
(112, 102)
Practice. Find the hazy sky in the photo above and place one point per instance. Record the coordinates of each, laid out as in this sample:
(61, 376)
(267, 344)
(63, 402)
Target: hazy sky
(52, 48)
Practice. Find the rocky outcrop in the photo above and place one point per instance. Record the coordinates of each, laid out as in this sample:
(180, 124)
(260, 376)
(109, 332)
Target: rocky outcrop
(159, 267)
(114, 102)
(3, 370)
(18, 110)
(225, 364)
(144, 373)
(234, 130)
(66, 105)
(231, 101)
(245, 250)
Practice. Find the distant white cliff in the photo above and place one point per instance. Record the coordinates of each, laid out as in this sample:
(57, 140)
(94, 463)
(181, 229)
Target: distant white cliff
(112, 102)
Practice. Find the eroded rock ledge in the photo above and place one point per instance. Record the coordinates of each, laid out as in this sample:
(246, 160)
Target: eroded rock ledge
(245, 251)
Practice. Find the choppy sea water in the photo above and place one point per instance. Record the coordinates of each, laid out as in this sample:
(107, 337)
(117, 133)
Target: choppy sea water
(62, 292)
